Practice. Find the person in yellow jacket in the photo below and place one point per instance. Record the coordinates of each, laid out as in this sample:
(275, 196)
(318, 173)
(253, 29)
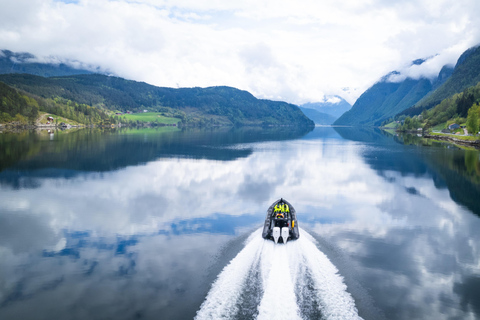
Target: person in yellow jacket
(281, 208)
(277, 208)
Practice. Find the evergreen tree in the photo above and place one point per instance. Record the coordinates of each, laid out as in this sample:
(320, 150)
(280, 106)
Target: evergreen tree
(472, 119)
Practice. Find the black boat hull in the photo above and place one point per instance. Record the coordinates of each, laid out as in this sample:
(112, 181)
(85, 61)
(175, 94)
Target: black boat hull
(288, 223)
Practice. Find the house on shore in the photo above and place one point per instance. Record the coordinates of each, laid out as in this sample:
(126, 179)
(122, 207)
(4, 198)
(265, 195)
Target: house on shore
(453, 126)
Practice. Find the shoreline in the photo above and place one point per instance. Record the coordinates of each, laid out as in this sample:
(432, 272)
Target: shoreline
(469, 143)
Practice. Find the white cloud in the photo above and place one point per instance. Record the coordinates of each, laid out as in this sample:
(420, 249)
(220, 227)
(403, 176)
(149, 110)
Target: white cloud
(332, 99)
(282, 50)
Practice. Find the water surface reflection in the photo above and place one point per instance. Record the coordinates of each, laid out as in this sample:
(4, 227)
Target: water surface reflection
(138, 224)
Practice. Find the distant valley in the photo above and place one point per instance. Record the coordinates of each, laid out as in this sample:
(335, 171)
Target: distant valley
(327, 111)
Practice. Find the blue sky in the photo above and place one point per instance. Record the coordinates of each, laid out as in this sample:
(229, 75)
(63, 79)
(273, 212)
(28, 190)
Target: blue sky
(284, 50)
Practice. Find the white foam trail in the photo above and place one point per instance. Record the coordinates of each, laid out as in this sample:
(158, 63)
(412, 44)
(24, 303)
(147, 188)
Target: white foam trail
(279, 301)
(284, 268)
(331, 293)
(221, 301)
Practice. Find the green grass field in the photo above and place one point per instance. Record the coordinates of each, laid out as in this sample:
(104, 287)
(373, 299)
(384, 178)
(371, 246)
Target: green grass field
(150, 117)
(392, 125)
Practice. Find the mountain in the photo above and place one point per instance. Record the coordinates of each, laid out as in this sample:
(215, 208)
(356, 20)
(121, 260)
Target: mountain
(14, 62)
(221, 105)
(465, 74)
(21, 108)
(14, 103)
(318, 117)
(448, 111)
(332, 105)
(387, 98)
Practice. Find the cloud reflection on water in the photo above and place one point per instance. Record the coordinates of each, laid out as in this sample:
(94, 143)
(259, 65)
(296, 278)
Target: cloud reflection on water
(147, 198)
(140, 240)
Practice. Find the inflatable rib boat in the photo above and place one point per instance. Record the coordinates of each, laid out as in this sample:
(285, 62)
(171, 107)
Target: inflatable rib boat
(281, 222)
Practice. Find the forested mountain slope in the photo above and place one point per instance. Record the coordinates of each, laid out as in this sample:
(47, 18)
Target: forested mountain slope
(22, 108)
(235, 106)
(386, 98)
(466, 74)
(13, 103)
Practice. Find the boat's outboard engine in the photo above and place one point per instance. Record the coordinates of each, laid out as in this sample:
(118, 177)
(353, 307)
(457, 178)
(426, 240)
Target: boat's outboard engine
(285, 233)
(276, 234)
(281, 228)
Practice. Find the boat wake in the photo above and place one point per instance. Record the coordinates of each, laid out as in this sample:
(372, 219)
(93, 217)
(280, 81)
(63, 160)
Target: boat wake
(287, 281)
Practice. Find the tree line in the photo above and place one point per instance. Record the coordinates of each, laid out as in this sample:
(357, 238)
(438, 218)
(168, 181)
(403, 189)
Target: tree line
(23, 108)
(16, 107)
(461, 108)
(200, 105)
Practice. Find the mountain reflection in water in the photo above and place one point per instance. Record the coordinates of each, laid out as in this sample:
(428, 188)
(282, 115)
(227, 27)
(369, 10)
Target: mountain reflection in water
(138, 224)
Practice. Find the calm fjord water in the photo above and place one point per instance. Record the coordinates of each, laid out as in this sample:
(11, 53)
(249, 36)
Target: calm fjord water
(140, 223)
